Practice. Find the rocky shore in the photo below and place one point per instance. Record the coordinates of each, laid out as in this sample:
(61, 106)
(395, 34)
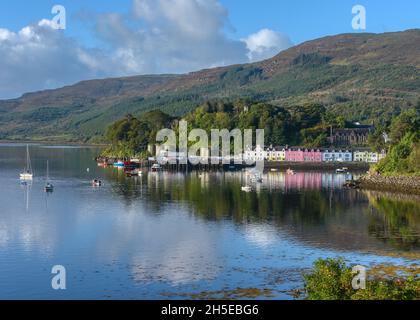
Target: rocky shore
(403, 184)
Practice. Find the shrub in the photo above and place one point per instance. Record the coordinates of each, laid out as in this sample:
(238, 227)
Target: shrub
(331, 279)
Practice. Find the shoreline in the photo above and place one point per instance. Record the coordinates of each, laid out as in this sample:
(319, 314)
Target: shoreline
(312, 166)
(394, 184)
(52, 143)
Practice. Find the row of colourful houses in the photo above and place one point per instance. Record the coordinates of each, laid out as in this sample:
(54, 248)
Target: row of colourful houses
(312, 155)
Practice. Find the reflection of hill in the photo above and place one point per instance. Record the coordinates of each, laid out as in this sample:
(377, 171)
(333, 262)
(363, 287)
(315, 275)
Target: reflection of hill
(395, 219)
(308, 206)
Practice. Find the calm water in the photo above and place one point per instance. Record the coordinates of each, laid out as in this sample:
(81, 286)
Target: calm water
(175, 236)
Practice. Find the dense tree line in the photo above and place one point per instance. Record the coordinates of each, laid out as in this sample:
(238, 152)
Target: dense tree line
(404, 152)
(304, 125)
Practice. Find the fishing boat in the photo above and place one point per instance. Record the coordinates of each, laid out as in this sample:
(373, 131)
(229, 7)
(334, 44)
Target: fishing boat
(48, 186)
(27, 172)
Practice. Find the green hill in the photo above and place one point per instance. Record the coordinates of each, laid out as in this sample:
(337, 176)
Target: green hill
(363, 77)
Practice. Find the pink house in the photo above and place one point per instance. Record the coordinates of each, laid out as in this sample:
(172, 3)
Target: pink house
(294, 155)
(298, 155)
(312, 156)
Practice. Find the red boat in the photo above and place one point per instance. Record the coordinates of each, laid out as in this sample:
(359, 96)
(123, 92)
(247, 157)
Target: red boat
(131, 165)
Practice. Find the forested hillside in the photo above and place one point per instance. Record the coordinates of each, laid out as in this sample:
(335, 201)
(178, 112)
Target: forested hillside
(362, 77)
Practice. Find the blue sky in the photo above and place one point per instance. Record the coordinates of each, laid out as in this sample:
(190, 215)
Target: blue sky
(301, 19)
(105, 38)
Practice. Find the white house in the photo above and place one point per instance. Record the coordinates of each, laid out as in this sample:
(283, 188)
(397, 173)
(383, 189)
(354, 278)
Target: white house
(268, 154)
(257, 154)
(337, 156)
(368, 156)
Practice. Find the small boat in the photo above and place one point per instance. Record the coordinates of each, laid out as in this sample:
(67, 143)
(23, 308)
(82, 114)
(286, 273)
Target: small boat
(246, 189)
(290, 172)
(257, 178)
(119, 164)
(156, 167)
(274, 170)
(48, 186)
(27, 172)
(140, 173)
(96, 183)
(342, 170)
(131, 164)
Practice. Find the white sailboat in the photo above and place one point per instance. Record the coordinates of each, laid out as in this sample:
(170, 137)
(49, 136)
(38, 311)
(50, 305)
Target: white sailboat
(48, 186)
(27, 173)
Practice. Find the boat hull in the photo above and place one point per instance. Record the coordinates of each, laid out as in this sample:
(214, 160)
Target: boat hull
(26, 176)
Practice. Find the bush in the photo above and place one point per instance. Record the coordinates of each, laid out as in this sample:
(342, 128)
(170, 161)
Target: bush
(331, 279)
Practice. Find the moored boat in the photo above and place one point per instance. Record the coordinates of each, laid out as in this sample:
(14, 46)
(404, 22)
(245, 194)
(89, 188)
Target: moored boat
(246, 188)
(119, 164)
(156, 167)
(290, 172)
(96, 183)
(342, 170)
(27, 173)
(48, 186)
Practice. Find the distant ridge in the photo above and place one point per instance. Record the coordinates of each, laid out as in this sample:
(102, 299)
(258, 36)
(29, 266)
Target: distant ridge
(364, 77)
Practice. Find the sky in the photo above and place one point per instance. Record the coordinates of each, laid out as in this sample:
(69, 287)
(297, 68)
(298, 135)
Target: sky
(112, 38)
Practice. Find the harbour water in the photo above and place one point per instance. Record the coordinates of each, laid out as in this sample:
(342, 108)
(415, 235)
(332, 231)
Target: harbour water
(185, 235)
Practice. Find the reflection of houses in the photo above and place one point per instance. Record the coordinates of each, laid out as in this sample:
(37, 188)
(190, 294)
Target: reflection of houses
(337, 156)
(350, 137)
(304, 180)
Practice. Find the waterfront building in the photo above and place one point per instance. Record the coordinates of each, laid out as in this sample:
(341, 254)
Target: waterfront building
(294, 155)
(257, 154)
(312, 156)
(368, 156)
(337, 156)
(275, 154)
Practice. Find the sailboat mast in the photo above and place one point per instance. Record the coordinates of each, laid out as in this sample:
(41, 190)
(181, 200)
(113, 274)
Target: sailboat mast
(28, 160)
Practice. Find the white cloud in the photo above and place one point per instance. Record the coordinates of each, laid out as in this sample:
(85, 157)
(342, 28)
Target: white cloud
(159, 36)
(266, 43)
(39, 57)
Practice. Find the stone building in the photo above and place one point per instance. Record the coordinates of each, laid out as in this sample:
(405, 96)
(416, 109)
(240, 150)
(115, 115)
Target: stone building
(351, 136)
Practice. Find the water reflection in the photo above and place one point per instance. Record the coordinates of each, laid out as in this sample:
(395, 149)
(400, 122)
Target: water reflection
(145, 236)
(311, 206)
